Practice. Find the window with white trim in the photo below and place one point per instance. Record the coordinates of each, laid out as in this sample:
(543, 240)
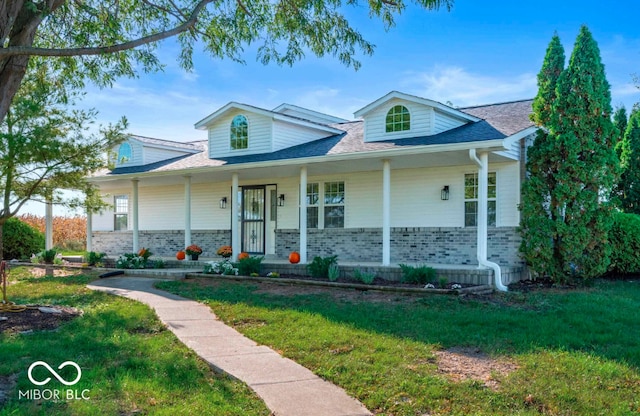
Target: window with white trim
(398, 119)
(239, 133)
(121, 212)
(325, 204)
(471, 199)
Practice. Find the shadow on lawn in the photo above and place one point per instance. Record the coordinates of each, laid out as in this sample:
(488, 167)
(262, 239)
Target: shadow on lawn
(601, 320)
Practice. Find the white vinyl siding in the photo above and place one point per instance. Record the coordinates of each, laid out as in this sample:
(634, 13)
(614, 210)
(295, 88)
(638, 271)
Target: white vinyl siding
(259, 135)
(375, 121)
(444, 122)
(154, 154)
(287, 135)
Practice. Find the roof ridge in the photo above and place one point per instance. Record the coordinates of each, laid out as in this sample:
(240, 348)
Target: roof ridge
(492, 104)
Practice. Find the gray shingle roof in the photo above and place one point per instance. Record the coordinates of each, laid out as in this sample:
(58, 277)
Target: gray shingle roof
(498, 122)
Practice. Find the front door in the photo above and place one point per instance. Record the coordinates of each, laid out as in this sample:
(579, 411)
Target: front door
(253, 219)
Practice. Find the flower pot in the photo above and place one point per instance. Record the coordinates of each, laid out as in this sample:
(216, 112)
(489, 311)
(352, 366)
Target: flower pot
(194, 256)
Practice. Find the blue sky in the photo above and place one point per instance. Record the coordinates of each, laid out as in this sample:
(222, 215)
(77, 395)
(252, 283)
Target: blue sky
(480, 52)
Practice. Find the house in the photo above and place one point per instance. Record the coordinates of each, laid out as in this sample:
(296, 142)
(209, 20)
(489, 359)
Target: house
(410, 180)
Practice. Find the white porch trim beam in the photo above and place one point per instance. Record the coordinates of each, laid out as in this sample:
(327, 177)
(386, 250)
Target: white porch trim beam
(134, 220)
(187, 211)
(303, 215)
(386, 212)
(235, 229)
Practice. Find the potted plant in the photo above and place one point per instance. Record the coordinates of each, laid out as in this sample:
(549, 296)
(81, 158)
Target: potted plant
(194, 251)
(225, 251)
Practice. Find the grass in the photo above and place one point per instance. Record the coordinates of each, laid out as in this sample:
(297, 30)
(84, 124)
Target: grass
(130, 363)
(578, 351)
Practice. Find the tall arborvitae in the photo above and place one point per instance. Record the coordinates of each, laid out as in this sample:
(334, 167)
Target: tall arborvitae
(630, 164)
(586, 163)
(537, 224)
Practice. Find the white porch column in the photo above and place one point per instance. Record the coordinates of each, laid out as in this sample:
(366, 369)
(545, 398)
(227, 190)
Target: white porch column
(483, 181)
(187, 211)
(386, 212)
(134, 214)
(48, 225)
(235, 228)
(89, 232)
(303, 215)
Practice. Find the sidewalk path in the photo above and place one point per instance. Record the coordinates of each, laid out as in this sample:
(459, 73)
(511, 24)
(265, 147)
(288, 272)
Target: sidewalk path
(287, 388)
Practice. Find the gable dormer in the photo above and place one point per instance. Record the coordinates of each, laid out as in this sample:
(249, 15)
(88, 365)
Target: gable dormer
(140, 151)
(400, 116)
(240, 129)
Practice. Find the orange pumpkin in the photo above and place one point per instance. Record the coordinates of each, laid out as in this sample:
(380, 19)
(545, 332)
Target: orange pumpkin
(243, 255)
(180, 255)
(294, 257)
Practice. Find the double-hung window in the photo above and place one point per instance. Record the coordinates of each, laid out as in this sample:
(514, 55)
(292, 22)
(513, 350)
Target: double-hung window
(121, 213)
(471, 199)
(325, 205)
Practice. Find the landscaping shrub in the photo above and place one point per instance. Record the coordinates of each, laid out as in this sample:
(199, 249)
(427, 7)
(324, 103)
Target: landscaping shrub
(249, 265)
(131, 261)
(624, 238)
(364, 277)
(419, 274)
(93, 259)
(20, 240)
(319, 267)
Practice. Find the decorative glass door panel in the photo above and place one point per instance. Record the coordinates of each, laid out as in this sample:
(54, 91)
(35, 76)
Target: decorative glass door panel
(253, 219)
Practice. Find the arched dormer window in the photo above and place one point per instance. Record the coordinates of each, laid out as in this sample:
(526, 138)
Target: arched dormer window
(124, 153)
(398, 119)
(239, 133)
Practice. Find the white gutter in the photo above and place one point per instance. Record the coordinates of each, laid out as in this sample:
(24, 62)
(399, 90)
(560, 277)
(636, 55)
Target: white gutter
(483, 173)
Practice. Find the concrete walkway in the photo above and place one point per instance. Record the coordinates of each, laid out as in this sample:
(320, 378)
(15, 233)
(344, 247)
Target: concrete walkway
(287, 388)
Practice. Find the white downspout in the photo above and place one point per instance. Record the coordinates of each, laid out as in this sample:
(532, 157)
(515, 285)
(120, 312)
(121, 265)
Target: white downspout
(483, 174)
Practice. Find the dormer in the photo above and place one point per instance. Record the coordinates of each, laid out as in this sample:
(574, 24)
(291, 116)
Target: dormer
(239, 129)
(140, 151)
(400, 116)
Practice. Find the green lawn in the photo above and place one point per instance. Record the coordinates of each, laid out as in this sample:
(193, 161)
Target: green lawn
(130, 363)
(578, 351)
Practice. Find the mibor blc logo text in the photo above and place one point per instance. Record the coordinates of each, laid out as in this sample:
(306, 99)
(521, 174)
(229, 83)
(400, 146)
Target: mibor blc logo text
(54, 394)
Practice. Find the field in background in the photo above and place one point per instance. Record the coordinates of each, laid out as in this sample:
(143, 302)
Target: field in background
(69, 233)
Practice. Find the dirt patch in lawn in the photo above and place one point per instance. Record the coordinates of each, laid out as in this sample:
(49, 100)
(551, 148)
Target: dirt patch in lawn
(289, 290)
(33, 319)
(460, 364)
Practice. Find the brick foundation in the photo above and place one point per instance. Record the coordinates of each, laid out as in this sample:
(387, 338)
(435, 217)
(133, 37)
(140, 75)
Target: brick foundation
(161, 243)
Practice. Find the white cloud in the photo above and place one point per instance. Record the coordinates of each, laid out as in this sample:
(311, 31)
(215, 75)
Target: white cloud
(462, 88)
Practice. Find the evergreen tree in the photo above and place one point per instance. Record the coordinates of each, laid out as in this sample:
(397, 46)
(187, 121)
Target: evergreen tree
(587, 164)
(630, 164)
(537, 223)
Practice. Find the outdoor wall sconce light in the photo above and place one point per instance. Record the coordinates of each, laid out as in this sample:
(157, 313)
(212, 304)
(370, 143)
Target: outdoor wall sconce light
(281, 200)
(444, 193)
(223, 202)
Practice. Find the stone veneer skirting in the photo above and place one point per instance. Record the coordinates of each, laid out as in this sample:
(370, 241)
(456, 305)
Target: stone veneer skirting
(445, 245)
(161, 243)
